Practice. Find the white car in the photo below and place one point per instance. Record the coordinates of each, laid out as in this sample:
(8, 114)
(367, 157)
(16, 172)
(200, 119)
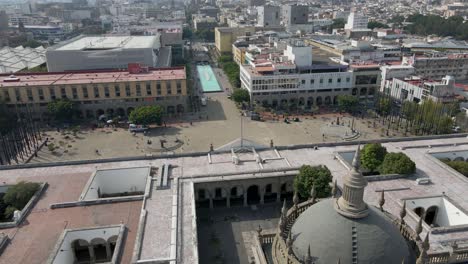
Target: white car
(137, 128)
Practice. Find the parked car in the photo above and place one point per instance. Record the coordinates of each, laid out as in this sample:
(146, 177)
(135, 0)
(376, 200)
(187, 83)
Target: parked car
(137, 128)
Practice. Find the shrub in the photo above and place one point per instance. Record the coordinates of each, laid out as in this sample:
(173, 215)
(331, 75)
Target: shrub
(397, 163)
(372, 156)
(19, 194)
(8, 213)
(460, 166)
(308, 176)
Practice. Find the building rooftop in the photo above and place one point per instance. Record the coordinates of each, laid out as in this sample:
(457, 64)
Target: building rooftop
(170, 227)
(44, 79)
(19, 58)
(109, 42)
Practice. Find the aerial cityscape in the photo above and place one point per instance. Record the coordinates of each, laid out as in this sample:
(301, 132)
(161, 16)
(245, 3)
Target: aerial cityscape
(233, 131)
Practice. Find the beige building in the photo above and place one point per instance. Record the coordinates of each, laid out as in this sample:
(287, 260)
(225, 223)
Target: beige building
(225, 36)
(111, 93)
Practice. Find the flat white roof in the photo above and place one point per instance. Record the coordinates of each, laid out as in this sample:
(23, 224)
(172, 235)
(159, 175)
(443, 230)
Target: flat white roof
(111, 42)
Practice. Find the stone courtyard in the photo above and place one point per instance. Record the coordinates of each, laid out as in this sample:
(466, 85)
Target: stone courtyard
(218, 123)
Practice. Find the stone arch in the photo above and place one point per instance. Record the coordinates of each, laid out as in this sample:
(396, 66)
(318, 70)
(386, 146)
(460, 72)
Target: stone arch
(170, 109)
(100, 249)
(80, 248)
(274, 103)
(236, 195)
(110, 113)
(419, 211)
(99, 113)
(220, 196)
(202, 197)
(335, 100)
(120, 112)
(130, 110)
(319, 100)
(354, 91)
(459, 159)
(112, 241)
(327, 100)
(180, 108)
(269, 193)
(285, 191)
(431, 215)
(310, 101)
(301, 101)
(89, 113)
(253, 194)
(371, 91)
(363, 91)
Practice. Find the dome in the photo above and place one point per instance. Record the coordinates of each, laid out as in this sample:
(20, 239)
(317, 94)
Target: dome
(332, 236)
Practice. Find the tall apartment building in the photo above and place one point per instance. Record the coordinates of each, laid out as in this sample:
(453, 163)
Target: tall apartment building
(295, 14)
(268, 15)
(356, 21)
(437, 67)
(105, 52)
(111, 93)
(416, 89)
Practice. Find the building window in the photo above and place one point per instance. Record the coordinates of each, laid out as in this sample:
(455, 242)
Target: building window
(127, 90)
(312, 81)
(52, 93)
(84, 89)
(348, 79)
(321, 80)
(338, 80)
(148, 88)
(138, 89)
(168, 87)
(106, 91)
(117, 90)
(63, 92)
(96, 92)
(330, 80)
(30, 95)
(74, 92)
(303, 81)
(158, 88)
(179, 87)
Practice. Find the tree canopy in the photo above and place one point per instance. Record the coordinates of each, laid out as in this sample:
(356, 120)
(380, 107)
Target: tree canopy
(441, 26)
(17, 196)
(460, 166)
(145, 115)
(429, 116)
(240, 95)
(348, 103)
(338, 23)
(231, 69)
(61, 109)
(376, 24)
(397, 163)
(372, 156)
(319, 176)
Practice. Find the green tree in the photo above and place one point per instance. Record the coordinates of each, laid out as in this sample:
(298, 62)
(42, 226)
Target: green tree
(187, 33)
(241, 95)
(397, 163)
(372, 156)
(319, 176)
(32, 43)
(348, 103)
(376, 24)
(145, 115)
(61, 109)
(384, 106)
(19, 194)
(460, 166)
(338, 23)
